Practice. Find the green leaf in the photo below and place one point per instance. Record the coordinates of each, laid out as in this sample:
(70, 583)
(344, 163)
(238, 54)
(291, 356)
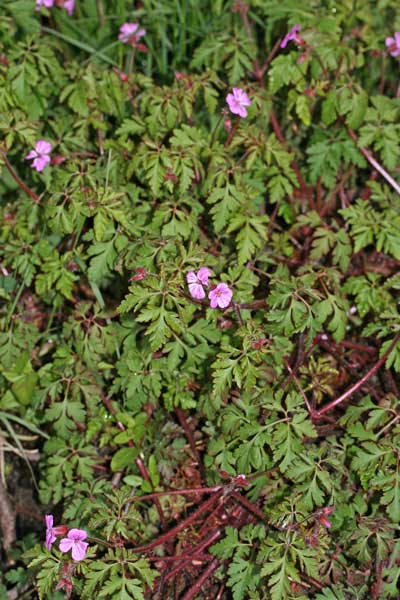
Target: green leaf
(124, 457)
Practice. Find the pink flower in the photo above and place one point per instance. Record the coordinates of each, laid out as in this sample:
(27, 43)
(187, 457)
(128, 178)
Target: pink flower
(220, 296)
(292, 35)
(46, 3)
(53, 532)
(130, 32)
(196, 282)
(393, 44)
(74, 541)
(40, 155)
(237, 102)
(69, 6)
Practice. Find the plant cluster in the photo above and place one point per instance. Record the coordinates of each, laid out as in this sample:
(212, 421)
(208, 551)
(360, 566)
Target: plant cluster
(199, 299)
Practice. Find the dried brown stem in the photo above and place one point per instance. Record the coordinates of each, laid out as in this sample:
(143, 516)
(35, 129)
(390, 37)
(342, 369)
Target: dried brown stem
(7, 519)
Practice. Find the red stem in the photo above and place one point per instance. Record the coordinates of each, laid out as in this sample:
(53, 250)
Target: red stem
(194, 590)
(188, 432)
(145, 474)
(250, 507)
(359, 383)
(297, 383)
(232, 133)
(259, 73)
(197, 549)
(16, 178)
(184, 492)
(180, 558)
(185, 523)
(280, 137)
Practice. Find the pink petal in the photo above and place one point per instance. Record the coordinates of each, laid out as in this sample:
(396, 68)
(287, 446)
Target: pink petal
(213, 299)
(389, 41)
(50, 539)
(191, 277)
(126, 30)
(43, 147)
(32, 154)
(69, 6)
(49, 521)
(77, 534)
(203, 274)
(196, 291)
(66, 544)
(40, 162)
(79, 550)
(224, 299)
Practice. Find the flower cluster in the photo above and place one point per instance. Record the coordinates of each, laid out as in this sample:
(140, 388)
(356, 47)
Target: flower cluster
(73, 541)
(219, 296)
(69, 5)
(393, 44)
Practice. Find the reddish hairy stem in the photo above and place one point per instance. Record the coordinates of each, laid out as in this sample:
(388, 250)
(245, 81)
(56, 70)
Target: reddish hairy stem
(107, 403)
(361, 347)
(17, 178)
(145, 474)
(297, 384)
(188, 432)
(180, 558)
(193, 552)
(372, 161)
(194, 590)
(259, 73)
(184, 492)
(250, 507)
(185, 523)
(359, 383)
(280, 137)
(232, 133)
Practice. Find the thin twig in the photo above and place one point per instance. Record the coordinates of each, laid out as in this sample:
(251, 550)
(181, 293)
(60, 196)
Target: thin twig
(7, 520)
